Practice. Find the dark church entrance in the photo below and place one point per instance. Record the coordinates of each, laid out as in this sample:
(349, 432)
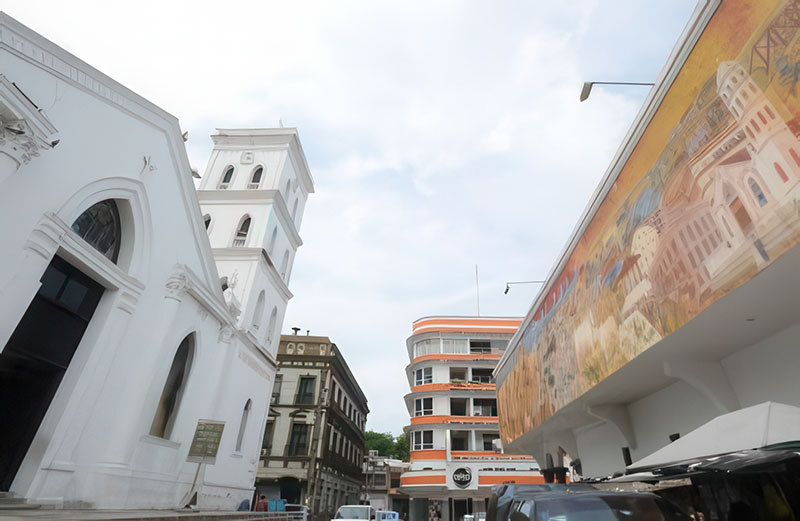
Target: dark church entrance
(37, 356)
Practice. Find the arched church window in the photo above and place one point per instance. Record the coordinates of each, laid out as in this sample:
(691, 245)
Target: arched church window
(272, 239)
(273, 321)
(739, 103)
(241, 233)
(258, 314)
(769, 112)
(226, 178)
(759, 195)
(294, 210)
(762, 118)
(284, 264)
(755, 126)
(243, 424)
(255, 180)
(174, 387)
(100, 226)
(749, 133)
(288, 188)
(207, 220)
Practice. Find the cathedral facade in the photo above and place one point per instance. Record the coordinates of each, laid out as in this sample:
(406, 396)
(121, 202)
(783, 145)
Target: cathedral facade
(140, 318)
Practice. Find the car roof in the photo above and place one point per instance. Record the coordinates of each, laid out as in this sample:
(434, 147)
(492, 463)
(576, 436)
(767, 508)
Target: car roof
(584, 493)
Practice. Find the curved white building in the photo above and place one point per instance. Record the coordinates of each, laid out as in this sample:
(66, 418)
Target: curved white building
(453, 409)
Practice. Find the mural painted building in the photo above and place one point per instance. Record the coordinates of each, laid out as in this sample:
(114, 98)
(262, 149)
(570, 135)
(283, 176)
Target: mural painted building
(453, 407)
(675, 300)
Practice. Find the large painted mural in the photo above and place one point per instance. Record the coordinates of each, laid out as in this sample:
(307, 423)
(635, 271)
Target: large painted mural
(708, 198)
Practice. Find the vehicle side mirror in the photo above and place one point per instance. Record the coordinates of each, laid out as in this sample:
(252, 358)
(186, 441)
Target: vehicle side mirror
(519, 516)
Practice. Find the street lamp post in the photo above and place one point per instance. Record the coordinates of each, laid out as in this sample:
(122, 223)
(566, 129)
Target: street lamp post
(508, 284)
(587, 86)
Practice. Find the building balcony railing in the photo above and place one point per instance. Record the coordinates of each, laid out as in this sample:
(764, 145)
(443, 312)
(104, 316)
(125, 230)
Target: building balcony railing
(459, 455)
(454, 386)
(425, 420)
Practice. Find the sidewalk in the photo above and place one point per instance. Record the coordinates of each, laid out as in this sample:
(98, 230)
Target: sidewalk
(136, 515)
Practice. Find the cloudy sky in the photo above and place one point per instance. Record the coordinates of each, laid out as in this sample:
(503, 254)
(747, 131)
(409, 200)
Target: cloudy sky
(440, 135)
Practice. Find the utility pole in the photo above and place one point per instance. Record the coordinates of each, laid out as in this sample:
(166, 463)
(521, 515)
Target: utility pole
(313, 476)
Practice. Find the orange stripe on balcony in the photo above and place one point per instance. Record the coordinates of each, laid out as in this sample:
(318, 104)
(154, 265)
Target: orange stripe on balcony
(465, 324)
(453, 387)
(486, 454)
(422, 480)
(428, 455)
(519, 480)
(425, 420)
(457, 356)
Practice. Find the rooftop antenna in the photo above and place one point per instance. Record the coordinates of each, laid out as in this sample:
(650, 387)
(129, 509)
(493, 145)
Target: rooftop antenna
(295, 329)
(478, 289)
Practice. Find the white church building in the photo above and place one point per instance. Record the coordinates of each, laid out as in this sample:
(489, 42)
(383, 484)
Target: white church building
(133, 306)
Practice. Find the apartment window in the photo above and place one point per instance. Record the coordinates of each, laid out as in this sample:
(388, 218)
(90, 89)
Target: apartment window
(380, 480)
(422, 440)
(480, 346)
(455, 345)
(266, 443)
(426, 347)
(459, 440)
(305, 390)
(298, 440)
(423, 406)
(488, 439)
(423, 376)
(276, 389)
(481, 376)
(484, 407)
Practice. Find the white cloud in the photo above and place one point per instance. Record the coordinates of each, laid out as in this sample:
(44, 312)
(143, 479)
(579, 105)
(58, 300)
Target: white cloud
(440, 135)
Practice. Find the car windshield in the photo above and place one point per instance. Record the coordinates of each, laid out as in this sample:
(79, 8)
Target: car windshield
(606, 508)
(352, 513)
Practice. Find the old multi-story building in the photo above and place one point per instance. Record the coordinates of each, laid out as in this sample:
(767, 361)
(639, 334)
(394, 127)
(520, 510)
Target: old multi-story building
(313, 444)
(382, 477)
(453, 407)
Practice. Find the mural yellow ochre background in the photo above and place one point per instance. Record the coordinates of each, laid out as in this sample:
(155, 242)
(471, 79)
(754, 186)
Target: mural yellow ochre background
(708, 198)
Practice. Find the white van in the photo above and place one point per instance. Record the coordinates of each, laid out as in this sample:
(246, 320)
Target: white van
(355, 513)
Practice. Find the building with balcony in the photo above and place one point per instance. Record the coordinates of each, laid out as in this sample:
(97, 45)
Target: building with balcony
(313, 445)
(453, 434)
(382, 477)
(676, 298)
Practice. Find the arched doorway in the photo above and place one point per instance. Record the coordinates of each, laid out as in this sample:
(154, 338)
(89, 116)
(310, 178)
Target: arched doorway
(39, 351)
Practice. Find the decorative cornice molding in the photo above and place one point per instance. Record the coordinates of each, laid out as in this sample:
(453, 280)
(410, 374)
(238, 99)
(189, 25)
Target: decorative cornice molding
(24, 128)
(238, 197)
(177, 284)
(184, 281)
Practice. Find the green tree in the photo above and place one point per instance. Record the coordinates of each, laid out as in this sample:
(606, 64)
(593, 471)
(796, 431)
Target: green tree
(400, 450)
(383, 442)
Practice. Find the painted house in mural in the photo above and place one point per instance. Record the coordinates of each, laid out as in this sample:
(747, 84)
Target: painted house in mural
(677, 298)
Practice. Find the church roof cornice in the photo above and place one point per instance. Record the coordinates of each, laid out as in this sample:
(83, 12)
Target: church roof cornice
(273, 197)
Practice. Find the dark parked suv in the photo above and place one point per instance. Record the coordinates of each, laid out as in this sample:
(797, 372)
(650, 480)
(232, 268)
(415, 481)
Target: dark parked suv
(578, 503)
